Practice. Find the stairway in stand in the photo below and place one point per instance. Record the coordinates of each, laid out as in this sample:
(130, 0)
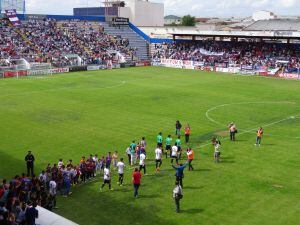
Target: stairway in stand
(135, 41)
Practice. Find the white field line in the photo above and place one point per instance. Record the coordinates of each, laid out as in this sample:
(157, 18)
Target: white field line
(239, 103)
(250, 130)
(253, 129)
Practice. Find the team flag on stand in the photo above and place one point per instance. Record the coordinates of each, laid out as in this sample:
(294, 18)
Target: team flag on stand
(13, 18)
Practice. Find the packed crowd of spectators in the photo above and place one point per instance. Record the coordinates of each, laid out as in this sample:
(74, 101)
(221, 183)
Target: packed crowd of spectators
(8, 38)
(50, 41)
(26, 191)
(235, 53)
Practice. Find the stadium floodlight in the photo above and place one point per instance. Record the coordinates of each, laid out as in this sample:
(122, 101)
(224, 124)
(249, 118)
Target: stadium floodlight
(18, 5)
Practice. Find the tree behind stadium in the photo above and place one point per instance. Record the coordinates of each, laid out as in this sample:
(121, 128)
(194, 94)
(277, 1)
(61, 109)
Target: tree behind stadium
(188, 20)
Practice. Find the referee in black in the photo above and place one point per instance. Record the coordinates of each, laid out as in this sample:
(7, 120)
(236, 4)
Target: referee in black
(29, 158)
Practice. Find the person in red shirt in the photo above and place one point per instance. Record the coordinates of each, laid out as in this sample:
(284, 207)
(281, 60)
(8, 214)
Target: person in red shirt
(2, 190)
(136, 180)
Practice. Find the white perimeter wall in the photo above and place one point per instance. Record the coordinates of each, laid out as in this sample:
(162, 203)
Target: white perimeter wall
(143, 13)
(124, 12)
(47, 217)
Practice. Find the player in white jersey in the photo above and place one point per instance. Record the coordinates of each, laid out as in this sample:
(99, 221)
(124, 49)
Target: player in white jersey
(121, 166)
(217, 152)
(52, 193)
(174, 153)
(106, 179)
(158, 158)
(142, 162)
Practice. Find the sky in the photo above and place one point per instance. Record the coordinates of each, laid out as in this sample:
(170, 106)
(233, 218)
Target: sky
(198, 8)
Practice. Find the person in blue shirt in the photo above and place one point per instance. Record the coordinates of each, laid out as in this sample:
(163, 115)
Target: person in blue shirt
(108, 160)
(67, 182)
(179, 172)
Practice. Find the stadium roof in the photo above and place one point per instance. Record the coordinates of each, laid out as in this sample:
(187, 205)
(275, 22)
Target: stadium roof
(275, 25)
(172, 17)
(274, 29)
(235, 33)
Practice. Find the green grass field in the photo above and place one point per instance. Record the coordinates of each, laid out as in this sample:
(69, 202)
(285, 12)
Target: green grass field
(67, 116)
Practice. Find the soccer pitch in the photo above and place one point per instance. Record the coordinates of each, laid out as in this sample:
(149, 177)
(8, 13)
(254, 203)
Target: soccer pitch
(70, 115)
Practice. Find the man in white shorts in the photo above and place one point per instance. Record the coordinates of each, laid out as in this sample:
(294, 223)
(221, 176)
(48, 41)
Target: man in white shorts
(121, 166)
(142, 162)
(158, 158)
(217, 152)
(107, 179)
(174, 154)
(52, 193)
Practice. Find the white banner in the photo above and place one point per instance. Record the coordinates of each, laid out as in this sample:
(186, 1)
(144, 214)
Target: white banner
(47, 71)
(205, 52)
(228, 70)
(94, 67)
(289, 75)
(273, 71)
(173, 63)
(60, 70)
(222, 70)
(38, 72)
(184, 64)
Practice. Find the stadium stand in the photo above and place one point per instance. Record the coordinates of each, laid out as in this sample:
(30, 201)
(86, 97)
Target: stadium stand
(49, 41)
(251, 54)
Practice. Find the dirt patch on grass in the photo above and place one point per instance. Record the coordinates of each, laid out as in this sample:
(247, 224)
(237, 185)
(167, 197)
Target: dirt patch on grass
(277, 186)
(221, 133)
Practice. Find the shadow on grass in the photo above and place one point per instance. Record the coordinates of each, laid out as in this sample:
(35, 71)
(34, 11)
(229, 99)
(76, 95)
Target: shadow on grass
(241, 140)
(228, 157)
(269, 144)
(227, 161)
(89, 206)
(108, 208)
(192, 211)
(123, 190)
(149, 196)
(193, 188)
(12, 166)
(202, 170)
(204, 137)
